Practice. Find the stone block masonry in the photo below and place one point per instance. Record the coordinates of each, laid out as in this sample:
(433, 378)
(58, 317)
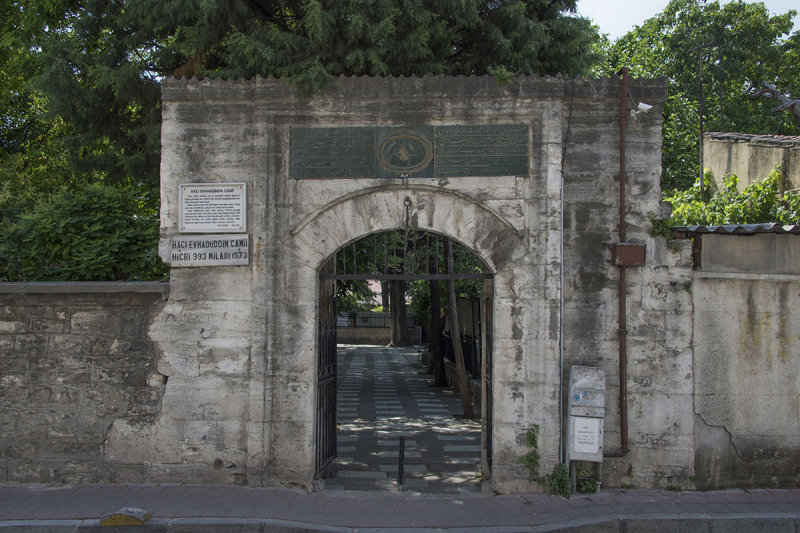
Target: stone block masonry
(74, 358)
(241, 342)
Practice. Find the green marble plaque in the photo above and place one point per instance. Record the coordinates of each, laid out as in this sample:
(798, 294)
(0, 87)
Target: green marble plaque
(332, 153)
(500, 150)
(405, 152)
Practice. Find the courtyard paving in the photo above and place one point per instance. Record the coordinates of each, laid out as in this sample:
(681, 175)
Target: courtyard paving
(383, 396)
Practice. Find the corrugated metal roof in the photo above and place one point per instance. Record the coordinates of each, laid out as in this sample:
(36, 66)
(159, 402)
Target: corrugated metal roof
(738, 229)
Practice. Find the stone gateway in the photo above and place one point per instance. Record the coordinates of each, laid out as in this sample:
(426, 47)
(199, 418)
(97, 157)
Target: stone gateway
(227, 375)
(525, 175)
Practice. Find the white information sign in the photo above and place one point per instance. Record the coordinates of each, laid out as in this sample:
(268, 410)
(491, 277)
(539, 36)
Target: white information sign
(210, 250)
(587, 407)
(586, 434)
(213, 207)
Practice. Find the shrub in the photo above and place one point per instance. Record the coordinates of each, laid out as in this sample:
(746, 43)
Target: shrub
(92, 233)
(759, 202)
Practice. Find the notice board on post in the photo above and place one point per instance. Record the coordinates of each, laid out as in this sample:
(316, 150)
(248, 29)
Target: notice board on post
(587, 400)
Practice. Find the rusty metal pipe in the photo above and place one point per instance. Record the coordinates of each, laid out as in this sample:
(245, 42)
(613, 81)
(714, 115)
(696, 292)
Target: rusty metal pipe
(623, 114)
(622, 312)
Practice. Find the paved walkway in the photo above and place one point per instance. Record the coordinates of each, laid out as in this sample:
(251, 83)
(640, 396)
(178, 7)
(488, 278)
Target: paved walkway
(381, 397)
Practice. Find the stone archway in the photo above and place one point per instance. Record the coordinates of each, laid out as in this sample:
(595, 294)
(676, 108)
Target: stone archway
(320, 234)
(375, 394)
(458, 216)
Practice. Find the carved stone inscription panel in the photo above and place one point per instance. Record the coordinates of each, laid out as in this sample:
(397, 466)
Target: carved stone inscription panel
(419, 152)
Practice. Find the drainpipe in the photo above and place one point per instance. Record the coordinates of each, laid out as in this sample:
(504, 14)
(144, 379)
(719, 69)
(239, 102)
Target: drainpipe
(622, 313)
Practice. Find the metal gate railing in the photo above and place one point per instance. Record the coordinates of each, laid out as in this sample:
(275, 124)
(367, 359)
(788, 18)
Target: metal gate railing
(326, 377)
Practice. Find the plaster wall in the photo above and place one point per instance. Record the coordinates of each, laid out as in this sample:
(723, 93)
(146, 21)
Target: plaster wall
(752, 158)
(747, 364)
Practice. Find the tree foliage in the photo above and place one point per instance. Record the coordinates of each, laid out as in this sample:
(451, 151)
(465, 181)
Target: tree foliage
(94, 233)
(34, 161)
(80, 79)
(102, 65)
(739, 45)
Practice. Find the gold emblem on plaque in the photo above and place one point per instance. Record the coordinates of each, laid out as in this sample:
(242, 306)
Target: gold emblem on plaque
(405, 152)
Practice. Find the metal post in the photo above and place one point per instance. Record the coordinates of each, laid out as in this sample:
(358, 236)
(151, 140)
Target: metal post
(401, 458)
(700, 111)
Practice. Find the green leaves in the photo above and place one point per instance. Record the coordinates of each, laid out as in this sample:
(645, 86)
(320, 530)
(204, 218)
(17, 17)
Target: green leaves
(738, 45)
(759, 202)
(95, 233)
(398, 37)
(532, 458)
(81, 93)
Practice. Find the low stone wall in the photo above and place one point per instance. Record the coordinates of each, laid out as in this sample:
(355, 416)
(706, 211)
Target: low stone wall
(74, 357)
(377, 336)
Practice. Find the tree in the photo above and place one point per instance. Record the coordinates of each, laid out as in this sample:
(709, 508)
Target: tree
(399, 314)
(455, 335)
(100, 72)
(353, 296)
(101, 68)
(380, 253)
(81, 78)
(437, 355)
(738, 45)
(33, 156)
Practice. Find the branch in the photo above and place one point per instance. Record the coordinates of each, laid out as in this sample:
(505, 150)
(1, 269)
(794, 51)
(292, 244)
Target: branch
(770, 91)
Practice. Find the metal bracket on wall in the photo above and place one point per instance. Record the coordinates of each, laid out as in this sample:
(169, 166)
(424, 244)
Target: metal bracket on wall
(628, 254)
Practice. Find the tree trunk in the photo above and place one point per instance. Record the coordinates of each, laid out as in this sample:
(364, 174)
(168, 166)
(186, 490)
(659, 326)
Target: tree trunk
(455, 335)
(397, 303)
(437, 357)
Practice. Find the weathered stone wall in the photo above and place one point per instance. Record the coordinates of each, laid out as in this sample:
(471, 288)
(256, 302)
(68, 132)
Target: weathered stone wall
(73, 359)
(747, 362)
(659, 351)
(752, 157)
(239, 343)
(217, 383)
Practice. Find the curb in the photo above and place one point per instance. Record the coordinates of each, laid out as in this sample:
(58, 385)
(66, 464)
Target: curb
(622, 523)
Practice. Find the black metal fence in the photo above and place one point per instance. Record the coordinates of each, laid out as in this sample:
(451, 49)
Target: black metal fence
(374, 320)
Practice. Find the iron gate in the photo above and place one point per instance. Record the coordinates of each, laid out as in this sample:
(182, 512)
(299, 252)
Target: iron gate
(395, 255)
(326, 376)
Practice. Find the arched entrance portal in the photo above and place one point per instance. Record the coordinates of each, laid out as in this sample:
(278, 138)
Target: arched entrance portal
(448, 438)
(517, 309)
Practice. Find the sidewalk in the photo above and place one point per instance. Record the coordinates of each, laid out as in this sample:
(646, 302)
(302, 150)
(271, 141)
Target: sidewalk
(231, 508)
